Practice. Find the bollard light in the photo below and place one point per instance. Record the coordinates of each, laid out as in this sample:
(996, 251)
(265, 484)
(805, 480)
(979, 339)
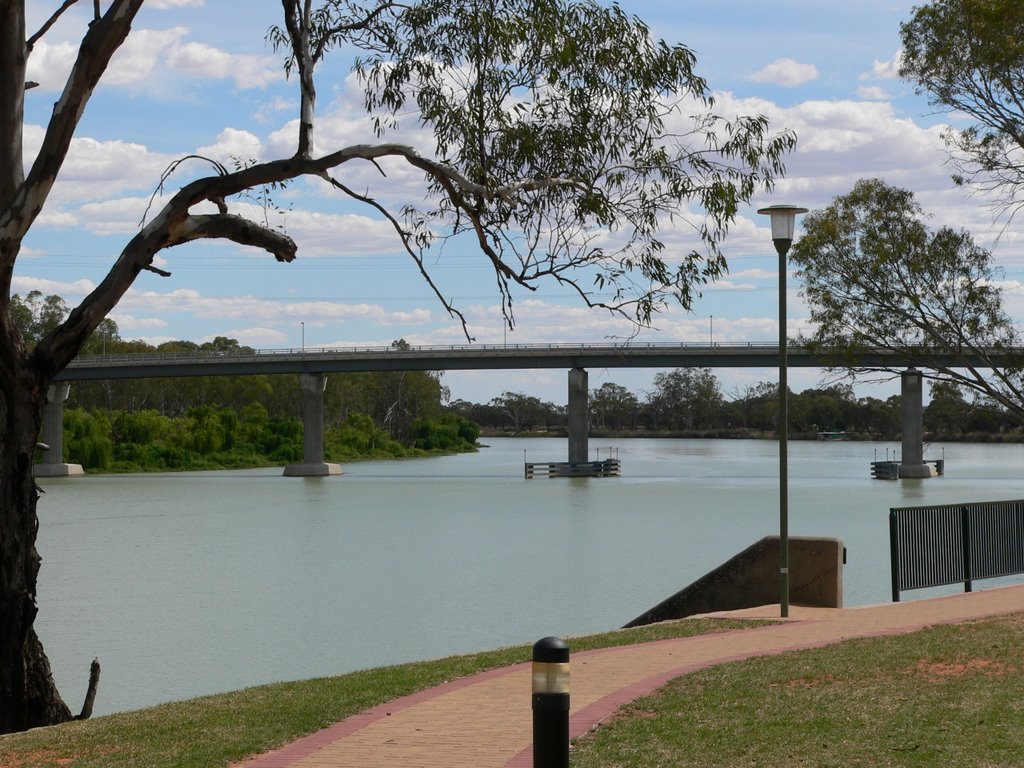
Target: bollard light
(551, 703)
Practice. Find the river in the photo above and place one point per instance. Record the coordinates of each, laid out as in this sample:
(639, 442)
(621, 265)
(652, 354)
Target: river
(200, 582)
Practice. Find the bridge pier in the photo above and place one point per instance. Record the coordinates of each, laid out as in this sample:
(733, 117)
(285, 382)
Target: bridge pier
(912, 403)
(312, 386)
(52, 434)
(579, 415)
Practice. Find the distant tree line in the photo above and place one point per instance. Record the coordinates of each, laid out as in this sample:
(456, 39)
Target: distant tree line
(220, 421)
(690, 402)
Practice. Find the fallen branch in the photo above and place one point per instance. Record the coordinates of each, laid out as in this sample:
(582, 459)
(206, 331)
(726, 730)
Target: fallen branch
(90, 694)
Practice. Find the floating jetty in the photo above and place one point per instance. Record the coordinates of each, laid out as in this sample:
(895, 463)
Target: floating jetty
(836, 435)
(603, 468)
(890, 470)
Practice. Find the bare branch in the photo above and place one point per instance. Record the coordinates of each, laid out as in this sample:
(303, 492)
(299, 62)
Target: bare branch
(102, 40)
(157, 270)
(407, 243)
(169, 171)
(236, 229)
(359, 25)
(53, 20)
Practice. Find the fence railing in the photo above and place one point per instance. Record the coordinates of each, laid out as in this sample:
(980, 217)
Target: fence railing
(952, 543)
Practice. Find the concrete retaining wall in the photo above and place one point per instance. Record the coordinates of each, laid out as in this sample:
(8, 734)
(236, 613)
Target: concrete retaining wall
(751, 578)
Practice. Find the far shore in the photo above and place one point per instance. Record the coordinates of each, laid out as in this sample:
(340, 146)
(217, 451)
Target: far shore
(749, 434)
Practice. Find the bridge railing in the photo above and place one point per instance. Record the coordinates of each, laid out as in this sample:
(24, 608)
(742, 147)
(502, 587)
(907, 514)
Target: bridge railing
(143, 358)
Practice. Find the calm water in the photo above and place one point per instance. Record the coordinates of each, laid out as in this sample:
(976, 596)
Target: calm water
(195, 583)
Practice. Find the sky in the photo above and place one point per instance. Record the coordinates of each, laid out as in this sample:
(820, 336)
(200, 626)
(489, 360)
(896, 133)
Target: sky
(197, 77)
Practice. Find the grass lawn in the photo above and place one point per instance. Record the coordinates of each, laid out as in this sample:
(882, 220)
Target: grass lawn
(215, 730)
(948, 696)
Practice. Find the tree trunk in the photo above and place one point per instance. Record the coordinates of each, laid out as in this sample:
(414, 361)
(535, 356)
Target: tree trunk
(28, 695)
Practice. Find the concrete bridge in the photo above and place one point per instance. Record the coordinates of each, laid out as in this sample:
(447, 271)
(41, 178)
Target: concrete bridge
(313, 365)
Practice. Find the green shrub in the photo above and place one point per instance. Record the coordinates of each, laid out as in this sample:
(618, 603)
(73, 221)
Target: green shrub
(87, 439)
(449, 433)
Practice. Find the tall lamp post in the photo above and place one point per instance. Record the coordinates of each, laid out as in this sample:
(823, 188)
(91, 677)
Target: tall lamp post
(783, 218)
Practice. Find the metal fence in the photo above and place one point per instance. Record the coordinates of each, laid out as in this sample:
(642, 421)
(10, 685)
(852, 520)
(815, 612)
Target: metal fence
(953, 543)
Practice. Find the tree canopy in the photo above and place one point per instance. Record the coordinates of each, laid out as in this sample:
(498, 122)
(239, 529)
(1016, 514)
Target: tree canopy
(877, 277)
(562, 140)
(968, 57)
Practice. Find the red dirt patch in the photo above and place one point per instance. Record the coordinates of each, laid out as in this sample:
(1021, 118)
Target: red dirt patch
(36, 758)
(46, 758)
(937, 670)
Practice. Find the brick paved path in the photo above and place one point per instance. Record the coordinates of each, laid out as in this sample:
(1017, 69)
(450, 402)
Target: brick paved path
(485, 721)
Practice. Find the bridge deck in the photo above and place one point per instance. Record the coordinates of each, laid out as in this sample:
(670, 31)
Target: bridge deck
(467, 357)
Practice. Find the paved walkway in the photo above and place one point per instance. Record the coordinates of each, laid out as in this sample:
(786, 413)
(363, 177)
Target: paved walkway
(485, 721)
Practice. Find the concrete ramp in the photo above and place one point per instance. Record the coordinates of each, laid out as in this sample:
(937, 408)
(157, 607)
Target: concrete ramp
(751, 579)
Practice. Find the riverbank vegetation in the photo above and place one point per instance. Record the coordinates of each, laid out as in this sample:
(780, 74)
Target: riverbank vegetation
(217, 437)
(219, 422)
(942, 696)
(690, 402)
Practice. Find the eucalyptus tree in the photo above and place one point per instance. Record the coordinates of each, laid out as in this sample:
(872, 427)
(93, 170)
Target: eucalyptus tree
(685, 398)
(563, 139)
(968, 57)
(877, 277)
(612, 406)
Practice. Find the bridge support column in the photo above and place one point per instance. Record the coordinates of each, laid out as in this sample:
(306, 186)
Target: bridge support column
(912, 402)
(579, 415)
(313, 464)
(53, 435)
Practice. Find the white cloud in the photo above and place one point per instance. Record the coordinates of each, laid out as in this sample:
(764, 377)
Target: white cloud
(126, 322)
(94, 170)
(335, 234)
(58, 219)
(162, 5)
(787, 72)
(257, 337)
(149, 55)
(268, 110)
(246, 70)
(873, 93)
(50, 63)
(136, 60)
(119, 216)
(754, 274)
(233, 143)
(885, 70)
(262, 310)
(840, 141)
(69, 291)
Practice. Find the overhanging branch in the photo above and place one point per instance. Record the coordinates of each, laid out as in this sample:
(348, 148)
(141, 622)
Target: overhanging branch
(228, 226)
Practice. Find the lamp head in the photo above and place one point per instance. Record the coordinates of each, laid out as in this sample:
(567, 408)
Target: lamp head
(783, 220)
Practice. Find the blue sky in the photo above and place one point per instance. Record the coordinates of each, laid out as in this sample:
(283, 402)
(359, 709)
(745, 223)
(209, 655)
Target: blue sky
(198, 77)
